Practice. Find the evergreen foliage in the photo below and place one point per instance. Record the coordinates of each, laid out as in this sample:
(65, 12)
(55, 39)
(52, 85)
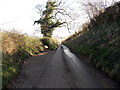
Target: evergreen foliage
(48, 21)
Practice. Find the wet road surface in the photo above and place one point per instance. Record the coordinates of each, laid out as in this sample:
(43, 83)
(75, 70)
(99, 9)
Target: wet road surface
(60, 69)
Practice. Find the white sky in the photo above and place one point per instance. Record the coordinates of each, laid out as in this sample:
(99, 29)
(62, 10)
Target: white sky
(20, 15)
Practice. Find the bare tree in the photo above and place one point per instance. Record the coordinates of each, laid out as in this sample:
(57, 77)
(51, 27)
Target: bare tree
(95, 7)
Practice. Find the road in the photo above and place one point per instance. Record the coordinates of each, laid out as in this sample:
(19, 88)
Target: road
(60, 69)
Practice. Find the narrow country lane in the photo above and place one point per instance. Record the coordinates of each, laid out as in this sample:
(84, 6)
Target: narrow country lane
(60, 69)
(54, 74)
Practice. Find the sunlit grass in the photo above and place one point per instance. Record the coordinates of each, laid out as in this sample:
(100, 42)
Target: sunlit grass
(15, 48)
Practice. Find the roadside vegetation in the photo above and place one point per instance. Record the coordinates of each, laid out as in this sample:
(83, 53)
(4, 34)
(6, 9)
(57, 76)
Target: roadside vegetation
(100, 40)
(52, 43)
(16, 48)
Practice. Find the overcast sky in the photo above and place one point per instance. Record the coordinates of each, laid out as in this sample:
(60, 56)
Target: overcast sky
(20, 15)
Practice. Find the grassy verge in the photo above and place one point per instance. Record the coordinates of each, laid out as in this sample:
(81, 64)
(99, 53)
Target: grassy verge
(104, 59)
(16, 47)
(104, 51)
(101, 43)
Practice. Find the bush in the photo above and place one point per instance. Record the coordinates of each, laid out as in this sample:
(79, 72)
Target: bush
(51, 43)
(16, 47)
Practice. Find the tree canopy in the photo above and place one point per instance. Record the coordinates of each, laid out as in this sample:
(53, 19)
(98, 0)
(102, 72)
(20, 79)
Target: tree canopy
(48, 21)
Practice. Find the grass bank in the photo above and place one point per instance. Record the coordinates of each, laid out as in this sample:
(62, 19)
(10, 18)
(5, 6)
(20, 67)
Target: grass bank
(101, 42)
(16, 48)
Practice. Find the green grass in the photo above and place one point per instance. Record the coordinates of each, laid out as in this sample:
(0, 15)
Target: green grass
(102, 44)
(105, 59)
(16, 48)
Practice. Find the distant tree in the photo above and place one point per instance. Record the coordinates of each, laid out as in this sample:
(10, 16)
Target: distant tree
(48, 21)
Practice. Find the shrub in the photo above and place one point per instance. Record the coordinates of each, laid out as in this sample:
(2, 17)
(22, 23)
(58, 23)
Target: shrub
(51, 43)
(16, 47)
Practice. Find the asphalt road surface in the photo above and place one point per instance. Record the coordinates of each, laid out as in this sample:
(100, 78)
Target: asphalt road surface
(60, 69)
